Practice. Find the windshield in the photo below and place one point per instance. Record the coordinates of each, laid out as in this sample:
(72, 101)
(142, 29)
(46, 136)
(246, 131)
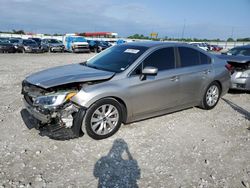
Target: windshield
(36, 39)
(117, 58)
(14, 41)
(79, 39)
(3, 42)
(27, 42)
(239, 51)
(53, 41)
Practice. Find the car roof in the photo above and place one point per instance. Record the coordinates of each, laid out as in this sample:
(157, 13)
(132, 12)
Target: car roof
(150, 44)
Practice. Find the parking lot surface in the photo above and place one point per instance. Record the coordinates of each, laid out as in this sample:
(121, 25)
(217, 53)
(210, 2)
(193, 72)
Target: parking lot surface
(190, 148)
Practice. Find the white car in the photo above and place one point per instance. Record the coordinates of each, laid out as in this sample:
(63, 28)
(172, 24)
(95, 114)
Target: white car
(200, 45)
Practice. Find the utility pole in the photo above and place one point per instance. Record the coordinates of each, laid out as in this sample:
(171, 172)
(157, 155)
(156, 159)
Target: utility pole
(183, 29)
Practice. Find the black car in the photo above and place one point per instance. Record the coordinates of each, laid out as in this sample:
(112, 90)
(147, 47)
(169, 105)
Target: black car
(6, 47)
(239, 51)
(18, 44)
(98, 46)
(52, 45)
(30, 46)
(4, 39)
(39, 42)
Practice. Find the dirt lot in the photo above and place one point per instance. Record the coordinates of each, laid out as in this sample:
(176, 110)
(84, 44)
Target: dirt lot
(191, 148)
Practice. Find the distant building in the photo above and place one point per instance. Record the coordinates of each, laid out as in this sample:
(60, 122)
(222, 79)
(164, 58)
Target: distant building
(100, 34)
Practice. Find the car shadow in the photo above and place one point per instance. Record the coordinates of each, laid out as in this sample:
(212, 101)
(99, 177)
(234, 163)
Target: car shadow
(238, 109)
(28, 120)
(113, 170)
(235, 91)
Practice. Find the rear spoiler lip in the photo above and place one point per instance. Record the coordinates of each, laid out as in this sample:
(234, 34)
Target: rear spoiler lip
(235, 59)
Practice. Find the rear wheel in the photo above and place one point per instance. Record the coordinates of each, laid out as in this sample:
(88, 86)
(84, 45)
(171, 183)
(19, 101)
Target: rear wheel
(103, 119)
(211, 96)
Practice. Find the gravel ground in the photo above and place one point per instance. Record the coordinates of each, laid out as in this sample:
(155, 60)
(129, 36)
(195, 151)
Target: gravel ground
(190, 148)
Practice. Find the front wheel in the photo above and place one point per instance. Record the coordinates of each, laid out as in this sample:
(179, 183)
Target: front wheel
(211, 96)
(103, 119)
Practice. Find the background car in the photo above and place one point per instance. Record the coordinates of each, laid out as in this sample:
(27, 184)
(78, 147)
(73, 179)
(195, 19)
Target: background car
(4, 39)
(6, 47)
(239, 60)
(38, 41)
(125, 83)
(200, 45)
(52, 45)
(98, 46)
(216, 48)
(18, 44)
(75, 44)
(30, 46)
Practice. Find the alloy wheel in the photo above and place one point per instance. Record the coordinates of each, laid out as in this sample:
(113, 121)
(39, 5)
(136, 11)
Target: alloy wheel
(212, 95)
(104, 119)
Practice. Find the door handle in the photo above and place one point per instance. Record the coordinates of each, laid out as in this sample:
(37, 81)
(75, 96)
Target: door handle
(206, 71)
(174, 78)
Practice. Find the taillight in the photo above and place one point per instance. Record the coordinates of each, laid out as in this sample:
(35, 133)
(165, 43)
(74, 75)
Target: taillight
(229, 67)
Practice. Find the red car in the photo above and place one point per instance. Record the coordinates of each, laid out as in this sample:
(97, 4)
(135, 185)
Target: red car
(216, 48)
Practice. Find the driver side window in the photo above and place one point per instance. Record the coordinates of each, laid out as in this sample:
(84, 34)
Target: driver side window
(163, 59)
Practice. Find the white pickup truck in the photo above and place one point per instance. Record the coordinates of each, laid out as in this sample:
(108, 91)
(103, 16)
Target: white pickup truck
(75, 43)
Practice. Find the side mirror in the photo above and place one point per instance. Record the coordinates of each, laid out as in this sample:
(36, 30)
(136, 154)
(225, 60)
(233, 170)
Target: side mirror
(151, 71)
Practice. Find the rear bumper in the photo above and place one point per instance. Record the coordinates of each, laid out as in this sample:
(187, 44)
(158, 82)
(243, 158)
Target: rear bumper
(33, 50)
(57, 49)
(240, 84)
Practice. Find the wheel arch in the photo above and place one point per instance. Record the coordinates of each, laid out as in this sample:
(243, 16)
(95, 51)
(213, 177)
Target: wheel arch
(121, 102)
(218, 82)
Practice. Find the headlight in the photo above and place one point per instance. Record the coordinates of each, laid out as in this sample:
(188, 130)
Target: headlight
(245, 74)
(53, 100)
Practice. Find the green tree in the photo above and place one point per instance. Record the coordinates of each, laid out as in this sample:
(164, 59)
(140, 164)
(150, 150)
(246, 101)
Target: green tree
(230, 40)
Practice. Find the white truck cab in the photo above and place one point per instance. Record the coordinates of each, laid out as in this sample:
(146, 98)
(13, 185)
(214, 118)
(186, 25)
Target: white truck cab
(74, 43)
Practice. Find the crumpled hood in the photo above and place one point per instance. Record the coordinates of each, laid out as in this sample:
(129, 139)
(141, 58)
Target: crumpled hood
(67, 74)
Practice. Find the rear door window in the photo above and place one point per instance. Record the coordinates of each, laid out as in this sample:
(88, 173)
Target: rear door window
(163, 59)
(204, 59)
(189, 57)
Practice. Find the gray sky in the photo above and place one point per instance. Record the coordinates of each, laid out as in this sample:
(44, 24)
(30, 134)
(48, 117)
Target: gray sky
(202, 18)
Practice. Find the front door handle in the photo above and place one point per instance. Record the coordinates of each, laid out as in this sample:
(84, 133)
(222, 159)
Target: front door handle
(206, 71)
(174, 78)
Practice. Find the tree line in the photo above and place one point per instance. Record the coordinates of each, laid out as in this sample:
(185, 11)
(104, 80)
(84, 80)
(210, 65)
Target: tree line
(141, 36)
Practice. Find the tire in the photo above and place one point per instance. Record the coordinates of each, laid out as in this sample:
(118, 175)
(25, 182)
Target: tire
(101, 124)
(211, 96)
(23, 51)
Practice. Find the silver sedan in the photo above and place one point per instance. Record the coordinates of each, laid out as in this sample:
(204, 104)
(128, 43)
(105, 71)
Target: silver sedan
(125, 83)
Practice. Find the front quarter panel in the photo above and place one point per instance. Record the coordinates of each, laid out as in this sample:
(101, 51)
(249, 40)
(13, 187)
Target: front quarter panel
(89, 94)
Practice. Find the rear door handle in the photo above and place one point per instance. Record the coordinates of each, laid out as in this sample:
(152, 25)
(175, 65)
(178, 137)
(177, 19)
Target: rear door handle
(206, 71)
(174, 78)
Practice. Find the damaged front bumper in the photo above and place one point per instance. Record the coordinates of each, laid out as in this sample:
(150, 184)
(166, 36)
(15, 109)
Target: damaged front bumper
(61, 114)
(59, 124)
(44, 117)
